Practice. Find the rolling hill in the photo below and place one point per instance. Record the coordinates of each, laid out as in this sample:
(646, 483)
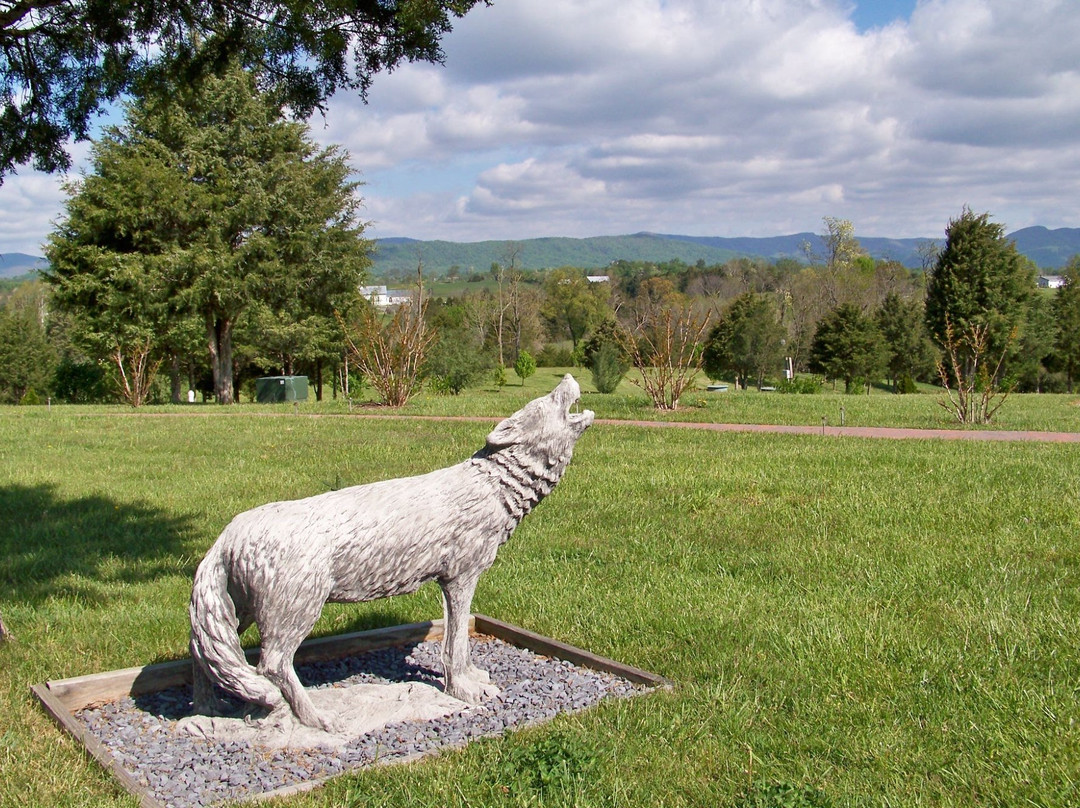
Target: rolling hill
(13, 265)
(1049, 249)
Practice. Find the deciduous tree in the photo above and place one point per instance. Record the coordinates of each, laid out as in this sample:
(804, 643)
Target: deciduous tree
(572, 304)
(60, 62)
(391, 353)
(524, 366)
(840, 261)
(663, 342)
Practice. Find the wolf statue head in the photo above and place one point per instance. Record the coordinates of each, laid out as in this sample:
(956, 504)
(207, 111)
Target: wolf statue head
(541, 435)
(530, 449)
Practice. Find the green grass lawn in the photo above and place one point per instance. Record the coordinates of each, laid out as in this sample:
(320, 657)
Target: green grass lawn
(886, 622)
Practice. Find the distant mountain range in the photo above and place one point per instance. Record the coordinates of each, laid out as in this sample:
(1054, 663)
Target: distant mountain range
(12, 265)
(1049, 249)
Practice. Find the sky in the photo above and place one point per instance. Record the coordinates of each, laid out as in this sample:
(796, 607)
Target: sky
(705, 117)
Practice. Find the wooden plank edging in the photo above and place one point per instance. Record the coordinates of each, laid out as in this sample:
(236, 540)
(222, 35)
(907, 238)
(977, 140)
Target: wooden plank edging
(60, 713)
(524, 638)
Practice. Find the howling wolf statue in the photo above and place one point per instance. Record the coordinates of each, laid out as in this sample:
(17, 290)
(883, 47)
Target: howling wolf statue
(276, 565)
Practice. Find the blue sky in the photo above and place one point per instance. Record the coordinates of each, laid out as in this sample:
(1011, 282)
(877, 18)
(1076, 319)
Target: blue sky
(706, 117)
(870, 14)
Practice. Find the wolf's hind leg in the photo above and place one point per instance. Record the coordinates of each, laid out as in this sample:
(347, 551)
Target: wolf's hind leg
(280, 641)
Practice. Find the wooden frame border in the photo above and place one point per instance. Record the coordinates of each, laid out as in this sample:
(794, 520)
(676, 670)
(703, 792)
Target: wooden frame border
(62, 697)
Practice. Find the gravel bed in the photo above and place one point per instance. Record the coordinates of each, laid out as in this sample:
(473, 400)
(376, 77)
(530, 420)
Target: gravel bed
(182, 771)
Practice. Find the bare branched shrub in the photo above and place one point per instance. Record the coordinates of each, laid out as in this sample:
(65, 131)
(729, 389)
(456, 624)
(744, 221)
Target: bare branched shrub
(390, 353)
(974, 394)
(664, 344)
(136, 369)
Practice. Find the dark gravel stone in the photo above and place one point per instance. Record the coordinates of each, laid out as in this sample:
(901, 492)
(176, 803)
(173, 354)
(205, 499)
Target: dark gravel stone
(185, 772)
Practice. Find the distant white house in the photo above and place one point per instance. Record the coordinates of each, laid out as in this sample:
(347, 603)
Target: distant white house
(376, 296)
(1051, 281)
(597, 278)
(382, 298)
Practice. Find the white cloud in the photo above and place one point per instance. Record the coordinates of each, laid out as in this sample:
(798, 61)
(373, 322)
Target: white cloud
(30, 202)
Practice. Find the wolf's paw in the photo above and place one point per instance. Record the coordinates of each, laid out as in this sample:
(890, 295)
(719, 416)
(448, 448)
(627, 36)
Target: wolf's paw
(478, 674)
(471, 689)
(316, 719)
(327, 723)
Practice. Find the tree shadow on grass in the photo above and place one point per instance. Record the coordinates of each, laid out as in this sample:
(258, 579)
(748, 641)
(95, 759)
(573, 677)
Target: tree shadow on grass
(55, 546)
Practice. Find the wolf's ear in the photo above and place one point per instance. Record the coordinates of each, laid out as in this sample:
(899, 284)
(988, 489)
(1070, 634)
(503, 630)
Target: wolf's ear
(514, 429)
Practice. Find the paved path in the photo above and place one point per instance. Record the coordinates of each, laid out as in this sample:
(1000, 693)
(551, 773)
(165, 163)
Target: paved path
(894, 433)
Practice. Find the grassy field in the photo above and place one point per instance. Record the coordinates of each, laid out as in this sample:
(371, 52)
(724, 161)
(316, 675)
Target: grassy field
(866, 622)
(1059, 412)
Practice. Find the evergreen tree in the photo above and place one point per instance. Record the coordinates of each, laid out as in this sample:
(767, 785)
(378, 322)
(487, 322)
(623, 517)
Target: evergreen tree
(26, 356)
(206, 203)
(1067, 315)
(979, 281)
(747, 342)
(903, 330)
(847, 345)
(1032, 368)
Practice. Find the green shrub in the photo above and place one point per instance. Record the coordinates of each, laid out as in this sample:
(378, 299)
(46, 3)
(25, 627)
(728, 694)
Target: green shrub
(799, 385)
(906, 385)
(81, 382)
(524, 366)
(30, 397)
(608, 368)
(455, 363)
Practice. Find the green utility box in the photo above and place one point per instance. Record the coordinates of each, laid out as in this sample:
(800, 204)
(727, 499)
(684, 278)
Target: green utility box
(273, 389)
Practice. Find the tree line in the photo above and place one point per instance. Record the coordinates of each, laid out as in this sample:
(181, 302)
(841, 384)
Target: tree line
(211, 242)
(212, 239)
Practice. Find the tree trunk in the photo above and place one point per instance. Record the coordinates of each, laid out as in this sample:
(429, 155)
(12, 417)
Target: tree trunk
(318, 380)
(175, 382)
(219, 340)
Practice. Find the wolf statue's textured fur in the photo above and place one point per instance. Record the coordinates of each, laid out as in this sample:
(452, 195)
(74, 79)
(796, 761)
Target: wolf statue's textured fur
(276, 565)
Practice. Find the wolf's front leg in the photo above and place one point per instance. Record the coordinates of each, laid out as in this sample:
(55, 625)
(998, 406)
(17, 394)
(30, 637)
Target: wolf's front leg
(463, 679)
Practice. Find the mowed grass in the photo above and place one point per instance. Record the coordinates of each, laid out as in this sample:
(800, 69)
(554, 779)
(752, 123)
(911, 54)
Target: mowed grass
(890, 622)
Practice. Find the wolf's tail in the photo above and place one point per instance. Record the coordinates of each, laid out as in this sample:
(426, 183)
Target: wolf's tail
(215, 642)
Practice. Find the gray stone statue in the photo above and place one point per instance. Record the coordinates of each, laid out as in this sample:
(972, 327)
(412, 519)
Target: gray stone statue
(276, 565)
